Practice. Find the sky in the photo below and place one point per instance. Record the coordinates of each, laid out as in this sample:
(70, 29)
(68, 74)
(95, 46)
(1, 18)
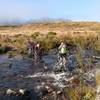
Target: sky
(25, 10)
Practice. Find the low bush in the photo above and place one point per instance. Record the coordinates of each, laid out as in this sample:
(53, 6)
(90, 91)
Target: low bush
(35, 35)
(52, 33)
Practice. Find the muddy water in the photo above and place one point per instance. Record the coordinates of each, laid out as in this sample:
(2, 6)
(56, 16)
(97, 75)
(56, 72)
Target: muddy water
(19, 72)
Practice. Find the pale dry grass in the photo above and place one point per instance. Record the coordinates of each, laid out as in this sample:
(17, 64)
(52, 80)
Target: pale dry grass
(98, 77)
(98, 80)
(72, 28)
(80, 33)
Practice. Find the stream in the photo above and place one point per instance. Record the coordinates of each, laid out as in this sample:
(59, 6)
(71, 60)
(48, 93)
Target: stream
(23, 73)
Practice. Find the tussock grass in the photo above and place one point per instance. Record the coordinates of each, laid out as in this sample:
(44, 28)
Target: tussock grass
(83, 34)
(52, 40)
(81, 93)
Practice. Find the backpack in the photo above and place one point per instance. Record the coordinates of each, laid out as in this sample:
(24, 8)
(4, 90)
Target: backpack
(63, 50)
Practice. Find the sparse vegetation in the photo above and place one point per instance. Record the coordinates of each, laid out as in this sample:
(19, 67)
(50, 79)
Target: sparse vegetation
(85, 37)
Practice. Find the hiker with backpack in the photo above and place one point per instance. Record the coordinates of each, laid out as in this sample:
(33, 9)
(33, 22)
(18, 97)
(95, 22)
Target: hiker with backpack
(63, 53)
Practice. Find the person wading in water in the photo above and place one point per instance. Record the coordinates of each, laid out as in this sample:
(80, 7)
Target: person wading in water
(63, 53)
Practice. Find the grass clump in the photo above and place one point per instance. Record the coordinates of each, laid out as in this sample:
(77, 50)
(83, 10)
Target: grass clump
(2, 50)
(35, 35)
(52, 33)
(49, 43)
(81, 93)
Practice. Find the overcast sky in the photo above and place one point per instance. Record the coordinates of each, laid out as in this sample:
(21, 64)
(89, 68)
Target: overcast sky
(77, 10)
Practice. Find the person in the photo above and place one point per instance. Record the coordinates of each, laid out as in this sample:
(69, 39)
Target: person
(38, 52)
(31, 47)
(63, 53)
(62, 50)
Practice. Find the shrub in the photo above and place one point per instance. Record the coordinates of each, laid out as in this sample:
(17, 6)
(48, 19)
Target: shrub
(52, 33)
(49, 43)
(2, 50)
(11, 54)
(35, 35)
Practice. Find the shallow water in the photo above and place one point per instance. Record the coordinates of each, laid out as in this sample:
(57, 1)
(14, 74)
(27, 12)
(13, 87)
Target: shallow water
(16, 72)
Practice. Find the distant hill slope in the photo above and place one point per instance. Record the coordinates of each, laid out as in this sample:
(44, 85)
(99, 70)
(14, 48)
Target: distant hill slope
(49, 20)
(41, 20)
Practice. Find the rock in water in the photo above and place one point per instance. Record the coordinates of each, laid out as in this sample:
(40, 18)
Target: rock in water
(10, 92)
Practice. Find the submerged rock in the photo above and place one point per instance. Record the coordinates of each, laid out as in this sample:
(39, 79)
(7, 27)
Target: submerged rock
(6, 65)
(10, 92)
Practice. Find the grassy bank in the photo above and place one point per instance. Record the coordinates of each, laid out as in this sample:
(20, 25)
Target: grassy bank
(51, 40)
(81, 34)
